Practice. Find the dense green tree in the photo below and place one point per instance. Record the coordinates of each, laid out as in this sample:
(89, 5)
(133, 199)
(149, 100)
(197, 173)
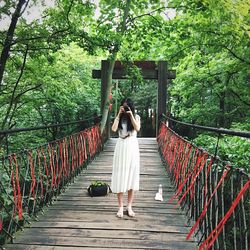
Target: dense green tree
(206, 42)
(66, 92)
(46, 64)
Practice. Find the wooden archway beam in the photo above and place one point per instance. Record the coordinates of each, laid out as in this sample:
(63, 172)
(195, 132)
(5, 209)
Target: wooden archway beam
(147, 74)
(150, 70)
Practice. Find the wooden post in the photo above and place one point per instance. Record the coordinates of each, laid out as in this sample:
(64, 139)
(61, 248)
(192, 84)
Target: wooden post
(116, 91)
(149, 71)
(104, 77)
(162, 92)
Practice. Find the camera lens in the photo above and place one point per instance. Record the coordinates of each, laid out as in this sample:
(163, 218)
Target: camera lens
(126, 108)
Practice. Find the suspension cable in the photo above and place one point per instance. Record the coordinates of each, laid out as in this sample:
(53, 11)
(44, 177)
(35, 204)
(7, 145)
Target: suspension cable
(17, 130)
(212, 129)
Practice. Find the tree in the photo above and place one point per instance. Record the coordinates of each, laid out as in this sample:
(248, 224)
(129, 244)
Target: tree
(67, 93)
(113, 55)
(22, 42)
(208, 45)
(9, 36)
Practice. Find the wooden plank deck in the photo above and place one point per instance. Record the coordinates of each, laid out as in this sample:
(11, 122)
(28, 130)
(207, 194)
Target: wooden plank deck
(77, 221)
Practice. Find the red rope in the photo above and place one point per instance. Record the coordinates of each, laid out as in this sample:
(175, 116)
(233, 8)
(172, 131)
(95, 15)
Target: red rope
(95, 139)
(186, 165)
(40, 173)
(162, 131)
(207, 204)
(62, 161)
(90, 143)
(80, 148)
(13, 186)
(53, 157)
(64, 154)
(53, 163)
(50, 151)
(76, 151)
(200, 162)
(57, 156)
(72, 153)
(46, 169)
(183, 161)
(187, 157)
(84, 156)
(67, 164)
(180, 160)
(175, 151)
(169, 150)
(215, 233)
(32, 172)
(182, 184)
(17, 185)
(85, 149)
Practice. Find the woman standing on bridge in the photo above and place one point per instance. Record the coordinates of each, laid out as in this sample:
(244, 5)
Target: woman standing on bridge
(126, 161)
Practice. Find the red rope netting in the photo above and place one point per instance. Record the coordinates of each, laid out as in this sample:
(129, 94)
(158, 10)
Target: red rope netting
(47, 169)
(185, 163)
(16, 186)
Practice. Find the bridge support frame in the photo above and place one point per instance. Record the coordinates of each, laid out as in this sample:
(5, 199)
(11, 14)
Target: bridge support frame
(150, 70)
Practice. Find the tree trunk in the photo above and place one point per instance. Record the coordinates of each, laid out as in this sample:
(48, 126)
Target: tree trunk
(13, 100)
(111, 68)
(9, 38)
(107, 91)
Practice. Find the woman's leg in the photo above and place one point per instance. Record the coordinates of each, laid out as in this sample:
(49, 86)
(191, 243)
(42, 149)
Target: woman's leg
(120, 205)
(130, 201)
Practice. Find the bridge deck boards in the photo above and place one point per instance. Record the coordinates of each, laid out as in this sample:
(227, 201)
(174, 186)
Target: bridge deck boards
(77, 221)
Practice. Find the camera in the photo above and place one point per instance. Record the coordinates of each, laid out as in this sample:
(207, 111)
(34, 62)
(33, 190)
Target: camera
(126, 109)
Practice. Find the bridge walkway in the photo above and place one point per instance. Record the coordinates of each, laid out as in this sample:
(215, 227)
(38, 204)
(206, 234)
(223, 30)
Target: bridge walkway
(77, 221)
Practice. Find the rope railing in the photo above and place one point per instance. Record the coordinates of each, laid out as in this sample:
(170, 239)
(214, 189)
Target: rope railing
(211, 129)
(31, 179)
(213, 194)
(18, 130)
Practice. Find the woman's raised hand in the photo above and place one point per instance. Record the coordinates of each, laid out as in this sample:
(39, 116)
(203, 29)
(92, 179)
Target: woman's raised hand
(129, 112)
(121, 110)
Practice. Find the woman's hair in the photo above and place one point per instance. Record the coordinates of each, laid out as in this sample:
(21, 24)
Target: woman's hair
(124, 116)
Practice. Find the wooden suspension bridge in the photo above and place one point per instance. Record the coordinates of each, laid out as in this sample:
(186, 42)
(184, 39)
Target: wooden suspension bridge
(58, 174)
(43, 190)
(76, 220)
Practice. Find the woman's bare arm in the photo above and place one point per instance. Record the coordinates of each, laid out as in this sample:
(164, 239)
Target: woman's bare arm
(135, 122)
(117, 119)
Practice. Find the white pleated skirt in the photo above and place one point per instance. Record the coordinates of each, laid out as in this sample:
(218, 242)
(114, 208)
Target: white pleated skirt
(126, 165)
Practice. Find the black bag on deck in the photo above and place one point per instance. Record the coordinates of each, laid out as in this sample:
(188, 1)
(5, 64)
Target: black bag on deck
(98, 188)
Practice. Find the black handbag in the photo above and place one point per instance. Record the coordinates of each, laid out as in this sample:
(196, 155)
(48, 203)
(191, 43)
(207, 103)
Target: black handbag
(98, 188)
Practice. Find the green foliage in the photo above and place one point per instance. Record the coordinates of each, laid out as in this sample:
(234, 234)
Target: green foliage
(66, 93)
(235, 150)
(207, 42)
(98, 183)
(48, 75)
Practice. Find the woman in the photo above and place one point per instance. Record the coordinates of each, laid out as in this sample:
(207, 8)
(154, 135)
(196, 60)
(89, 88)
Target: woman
(126, 161)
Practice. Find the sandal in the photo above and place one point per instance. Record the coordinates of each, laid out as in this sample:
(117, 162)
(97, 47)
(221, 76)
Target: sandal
(130, 212)
(120, 212)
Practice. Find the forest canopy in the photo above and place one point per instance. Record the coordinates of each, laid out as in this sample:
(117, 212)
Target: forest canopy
(47, 60)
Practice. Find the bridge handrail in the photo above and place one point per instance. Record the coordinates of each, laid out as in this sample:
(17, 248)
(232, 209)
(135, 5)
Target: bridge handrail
(211, 129)
(17, 130)
(33, 178)
(213, 194)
